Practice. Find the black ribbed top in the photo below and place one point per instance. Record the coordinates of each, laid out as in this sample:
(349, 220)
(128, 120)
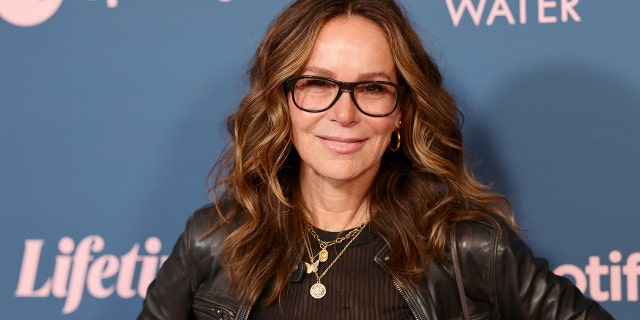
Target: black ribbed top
(357, 287)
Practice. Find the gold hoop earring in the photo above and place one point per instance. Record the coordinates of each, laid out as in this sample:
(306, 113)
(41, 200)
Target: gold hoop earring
(396, 147)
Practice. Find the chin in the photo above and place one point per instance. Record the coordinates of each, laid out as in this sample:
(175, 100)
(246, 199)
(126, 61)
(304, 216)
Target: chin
(344, 174)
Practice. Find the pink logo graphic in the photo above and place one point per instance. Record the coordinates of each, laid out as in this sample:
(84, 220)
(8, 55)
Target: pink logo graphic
(82, 265)
(502, 9)
(594, 277)
(28, 13)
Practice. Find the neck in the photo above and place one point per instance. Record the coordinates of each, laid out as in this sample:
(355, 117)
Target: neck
(335, 206)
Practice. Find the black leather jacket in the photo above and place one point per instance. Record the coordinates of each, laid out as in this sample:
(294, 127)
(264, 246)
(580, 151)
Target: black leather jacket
(502, 280)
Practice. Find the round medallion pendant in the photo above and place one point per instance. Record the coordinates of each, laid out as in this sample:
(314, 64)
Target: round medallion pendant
(323, 255)
(318, 290)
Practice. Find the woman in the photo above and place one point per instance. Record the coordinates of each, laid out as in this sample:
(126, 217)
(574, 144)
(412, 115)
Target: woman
(344, 193)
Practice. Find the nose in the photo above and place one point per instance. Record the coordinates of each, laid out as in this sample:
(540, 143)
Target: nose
(344, 111)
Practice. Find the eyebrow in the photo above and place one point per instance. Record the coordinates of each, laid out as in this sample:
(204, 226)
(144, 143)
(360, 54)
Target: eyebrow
(362, 76)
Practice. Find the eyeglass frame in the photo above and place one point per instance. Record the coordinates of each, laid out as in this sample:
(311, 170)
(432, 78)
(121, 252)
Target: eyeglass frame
(342, 87)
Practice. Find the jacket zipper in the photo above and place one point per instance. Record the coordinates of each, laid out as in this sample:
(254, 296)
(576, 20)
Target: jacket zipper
(246, 315)
(223, 306)
(383, 263)
(406, 299)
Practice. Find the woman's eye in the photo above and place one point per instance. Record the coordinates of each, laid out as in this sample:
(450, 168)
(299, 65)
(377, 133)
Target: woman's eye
(373, 88)
(316, 83)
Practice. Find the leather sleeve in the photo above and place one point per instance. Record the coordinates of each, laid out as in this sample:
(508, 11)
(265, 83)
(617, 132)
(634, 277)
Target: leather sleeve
(170, 295)
(527, 289)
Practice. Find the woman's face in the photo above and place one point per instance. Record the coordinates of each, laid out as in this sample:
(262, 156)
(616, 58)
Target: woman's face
(342, 144)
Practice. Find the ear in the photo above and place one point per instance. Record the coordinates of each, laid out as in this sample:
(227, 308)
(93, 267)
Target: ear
(398, 121)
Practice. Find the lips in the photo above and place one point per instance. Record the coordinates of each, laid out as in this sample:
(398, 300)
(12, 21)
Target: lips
(341, 144)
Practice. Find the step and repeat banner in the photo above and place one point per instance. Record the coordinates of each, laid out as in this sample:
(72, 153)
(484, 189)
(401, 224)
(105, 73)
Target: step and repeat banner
(112, 113)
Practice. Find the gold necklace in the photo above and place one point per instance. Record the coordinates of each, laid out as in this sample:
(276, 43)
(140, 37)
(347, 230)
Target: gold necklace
(323, 254)
(318, 290)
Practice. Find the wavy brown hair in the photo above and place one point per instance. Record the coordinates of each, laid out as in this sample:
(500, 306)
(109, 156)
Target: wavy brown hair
(419, 193)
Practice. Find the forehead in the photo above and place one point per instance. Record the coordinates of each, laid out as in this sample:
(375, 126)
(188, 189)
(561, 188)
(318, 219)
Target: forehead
(349, 44)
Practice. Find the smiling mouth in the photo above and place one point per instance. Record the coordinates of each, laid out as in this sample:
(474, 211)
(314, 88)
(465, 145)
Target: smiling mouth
(344, 141)
(342, 145)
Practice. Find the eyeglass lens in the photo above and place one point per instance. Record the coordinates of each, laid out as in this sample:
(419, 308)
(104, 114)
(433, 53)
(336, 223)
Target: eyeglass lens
(317, 94)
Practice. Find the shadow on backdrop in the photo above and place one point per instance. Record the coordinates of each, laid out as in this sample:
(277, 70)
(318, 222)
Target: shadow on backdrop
(561, 141)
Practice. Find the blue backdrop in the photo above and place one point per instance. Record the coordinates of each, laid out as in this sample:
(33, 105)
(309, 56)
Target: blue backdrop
(111, 114)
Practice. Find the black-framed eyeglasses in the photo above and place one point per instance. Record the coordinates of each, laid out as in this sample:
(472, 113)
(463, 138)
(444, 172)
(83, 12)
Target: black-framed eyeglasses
(318, 94)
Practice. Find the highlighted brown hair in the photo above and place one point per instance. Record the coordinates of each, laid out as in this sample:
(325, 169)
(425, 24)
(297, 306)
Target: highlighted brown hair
(420, 192)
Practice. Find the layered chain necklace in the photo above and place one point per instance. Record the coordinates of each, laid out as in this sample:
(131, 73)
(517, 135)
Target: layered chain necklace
(318, 290)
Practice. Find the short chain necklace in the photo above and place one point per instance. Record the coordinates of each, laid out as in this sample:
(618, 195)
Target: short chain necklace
(318, 290)
(323, 254)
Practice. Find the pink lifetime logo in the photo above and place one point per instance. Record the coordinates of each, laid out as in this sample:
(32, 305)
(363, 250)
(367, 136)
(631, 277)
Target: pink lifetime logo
(29, 13)
(84, 266)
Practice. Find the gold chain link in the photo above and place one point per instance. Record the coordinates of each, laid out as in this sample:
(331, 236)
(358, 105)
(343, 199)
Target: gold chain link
(326, 244)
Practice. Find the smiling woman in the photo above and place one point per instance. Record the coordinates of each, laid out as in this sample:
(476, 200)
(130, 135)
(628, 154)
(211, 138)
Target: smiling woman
(344, 192)
(341, 148)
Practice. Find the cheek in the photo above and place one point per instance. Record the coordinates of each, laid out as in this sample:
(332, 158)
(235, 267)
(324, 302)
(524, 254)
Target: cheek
(384, 131)
(301, 122)
(386, 126)
(294, 117)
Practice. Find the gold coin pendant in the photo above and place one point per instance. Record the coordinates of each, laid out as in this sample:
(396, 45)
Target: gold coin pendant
(323, 255)
(318, 290)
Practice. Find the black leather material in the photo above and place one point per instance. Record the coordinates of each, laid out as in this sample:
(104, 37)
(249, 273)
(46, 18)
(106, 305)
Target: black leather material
(502, 280)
